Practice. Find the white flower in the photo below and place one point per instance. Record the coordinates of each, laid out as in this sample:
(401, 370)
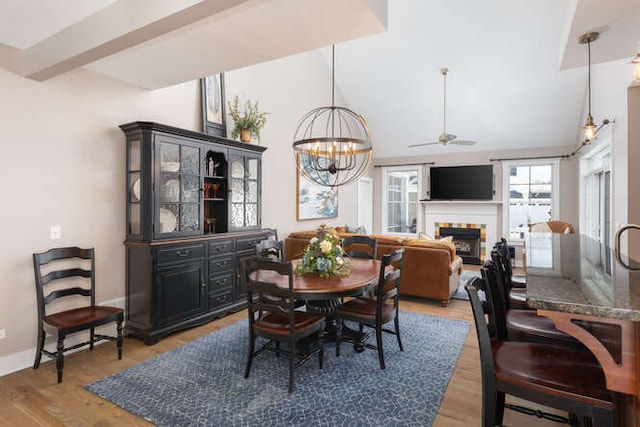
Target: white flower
(339, 260)
(313, 240)
(325, 246)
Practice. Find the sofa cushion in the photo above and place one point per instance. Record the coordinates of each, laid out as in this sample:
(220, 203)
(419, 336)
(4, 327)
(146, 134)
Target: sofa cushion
(434, 244)
(387, 240)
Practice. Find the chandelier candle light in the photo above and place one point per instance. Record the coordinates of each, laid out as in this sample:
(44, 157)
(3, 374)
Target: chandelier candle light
(332, 145)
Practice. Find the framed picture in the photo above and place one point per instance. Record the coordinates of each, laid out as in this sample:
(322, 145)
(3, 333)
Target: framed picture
(213, 110)
(315, 201)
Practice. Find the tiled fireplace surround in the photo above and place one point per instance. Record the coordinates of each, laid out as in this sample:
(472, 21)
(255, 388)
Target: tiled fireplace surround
(482, 215)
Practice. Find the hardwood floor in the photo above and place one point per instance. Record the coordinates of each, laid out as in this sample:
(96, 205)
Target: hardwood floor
(33, 398)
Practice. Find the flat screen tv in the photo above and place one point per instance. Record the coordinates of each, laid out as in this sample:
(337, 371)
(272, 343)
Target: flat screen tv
(461, 182)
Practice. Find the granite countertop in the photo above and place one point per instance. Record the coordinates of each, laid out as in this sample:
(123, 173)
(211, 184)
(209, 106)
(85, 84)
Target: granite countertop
(573, 274)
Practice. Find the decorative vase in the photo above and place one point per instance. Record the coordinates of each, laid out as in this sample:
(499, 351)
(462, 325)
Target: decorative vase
(245, 135)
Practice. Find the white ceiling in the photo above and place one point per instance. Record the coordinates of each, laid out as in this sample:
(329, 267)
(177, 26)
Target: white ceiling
(513, 80)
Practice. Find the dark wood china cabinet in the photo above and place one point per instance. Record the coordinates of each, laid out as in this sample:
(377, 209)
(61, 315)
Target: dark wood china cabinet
(193, 211)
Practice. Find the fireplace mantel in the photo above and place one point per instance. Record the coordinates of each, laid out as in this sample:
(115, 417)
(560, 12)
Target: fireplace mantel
(484, 214)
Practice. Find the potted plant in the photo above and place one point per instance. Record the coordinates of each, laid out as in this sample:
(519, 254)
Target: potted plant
(248, 119)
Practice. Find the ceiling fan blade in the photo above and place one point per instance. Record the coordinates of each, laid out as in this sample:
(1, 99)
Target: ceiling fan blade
(462, 142)
(424, 143)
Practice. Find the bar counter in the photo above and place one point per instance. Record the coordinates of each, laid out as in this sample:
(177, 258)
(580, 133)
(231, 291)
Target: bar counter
(574, 274)
(572, 279)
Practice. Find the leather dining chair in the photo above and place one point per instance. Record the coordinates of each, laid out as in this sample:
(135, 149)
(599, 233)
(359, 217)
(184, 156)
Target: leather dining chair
(567, 379)
(273, 316)
(63, 274)
(374, 312)
(360, 246)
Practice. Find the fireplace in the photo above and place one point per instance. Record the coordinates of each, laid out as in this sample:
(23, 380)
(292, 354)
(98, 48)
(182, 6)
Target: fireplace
(467, 242)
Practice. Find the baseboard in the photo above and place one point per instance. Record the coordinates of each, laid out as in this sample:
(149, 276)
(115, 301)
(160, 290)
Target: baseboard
(24, 359)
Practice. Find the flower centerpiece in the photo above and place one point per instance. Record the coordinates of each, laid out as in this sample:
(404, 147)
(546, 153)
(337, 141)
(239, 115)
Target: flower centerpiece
(323, 255)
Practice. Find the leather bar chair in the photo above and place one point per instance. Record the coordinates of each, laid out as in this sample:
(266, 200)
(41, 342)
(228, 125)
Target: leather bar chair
(273, 316)
(517, 280)
(519, 325)
(517, 297)
(69, 274)
(567, 379)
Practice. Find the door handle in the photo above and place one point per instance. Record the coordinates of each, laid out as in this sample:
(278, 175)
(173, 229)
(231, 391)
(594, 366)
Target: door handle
(616, 250)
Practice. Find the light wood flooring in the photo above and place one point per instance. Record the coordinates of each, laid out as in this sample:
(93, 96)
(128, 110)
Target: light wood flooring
(33, 398)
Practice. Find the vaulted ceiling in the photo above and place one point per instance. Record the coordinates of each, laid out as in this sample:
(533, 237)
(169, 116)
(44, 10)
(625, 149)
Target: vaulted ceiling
(517, 72)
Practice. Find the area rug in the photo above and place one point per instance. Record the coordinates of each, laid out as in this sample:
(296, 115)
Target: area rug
(466, 278)
(202, 383)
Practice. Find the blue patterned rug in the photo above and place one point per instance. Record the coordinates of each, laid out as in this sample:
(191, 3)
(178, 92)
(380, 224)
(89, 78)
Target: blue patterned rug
(201, 383)
(466, 278)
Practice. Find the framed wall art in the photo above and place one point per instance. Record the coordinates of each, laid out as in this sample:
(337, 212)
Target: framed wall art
(213, 109)
(315, 201)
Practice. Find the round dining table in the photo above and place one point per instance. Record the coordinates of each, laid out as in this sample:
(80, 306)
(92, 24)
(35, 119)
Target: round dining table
(312, 287)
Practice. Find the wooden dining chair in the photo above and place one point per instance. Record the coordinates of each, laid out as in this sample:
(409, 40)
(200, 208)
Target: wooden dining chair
(517, 280)
(516, 296)
(360, 246)
(377, 311)
(69, 274)
(273, 316)
(567, 379)
(271, 249)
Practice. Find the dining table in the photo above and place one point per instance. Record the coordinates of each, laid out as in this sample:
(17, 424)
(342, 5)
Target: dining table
(594, 296)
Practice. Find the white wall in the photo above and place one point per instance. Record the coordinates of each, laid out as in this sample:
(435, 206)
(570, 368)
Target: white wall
(65, 165)
(288, 88)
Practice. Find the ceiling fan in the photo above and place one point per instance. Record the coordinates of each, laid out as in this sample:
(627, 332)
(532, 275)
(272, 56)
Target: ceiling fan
(445, 138)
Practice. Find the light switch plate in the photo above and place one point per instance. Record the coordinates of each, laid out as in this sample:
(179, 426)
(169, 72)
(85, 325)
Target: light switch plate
(55, 232)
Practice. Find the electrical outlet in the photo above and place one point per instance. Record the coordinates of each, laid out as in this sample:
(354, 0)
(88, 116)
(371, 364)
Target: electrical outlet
(3, 334)
(55, 232)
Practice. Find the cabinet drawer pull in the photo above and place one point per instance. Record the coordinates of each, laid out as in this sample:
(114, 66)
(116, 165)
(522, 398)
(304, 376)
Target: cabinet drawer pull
(221, 282)
(182, 254)
(221, 298)
(221, 264)
(221, 248)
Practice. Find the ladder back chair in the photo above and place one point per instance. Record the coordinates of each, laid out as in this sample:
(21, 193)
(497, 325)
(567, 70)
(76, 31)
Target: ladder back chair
(273, 316)
(376, 311)
(360, 247)
(66, 277)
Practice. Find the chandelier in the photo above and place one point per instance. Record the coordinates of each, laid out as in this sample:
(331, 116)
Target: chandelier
(332, 145)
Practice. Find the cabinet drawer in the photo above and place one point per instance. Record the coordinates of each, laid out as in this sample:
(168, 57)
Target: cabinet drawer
(220, 247)
(178, 253)
(245, 243)
(220, 299)
(220, 282)
(221, 263)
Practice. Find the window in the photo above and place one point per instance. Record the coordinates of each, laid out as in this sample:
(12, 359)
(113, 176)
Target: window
(595, 208)
(400, 201)
(531, 189)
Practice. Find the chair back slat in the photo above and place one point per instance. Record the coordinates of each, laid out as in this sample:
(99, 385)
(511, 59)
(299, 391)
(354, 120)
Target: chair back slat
(64, 274)
(361, 247)
(61, 293)
(389, 281)
(268, 296)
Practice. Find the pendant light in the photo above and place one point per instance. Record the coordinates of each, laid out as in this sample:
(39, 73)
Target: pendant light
(589, 127)
(332, 145)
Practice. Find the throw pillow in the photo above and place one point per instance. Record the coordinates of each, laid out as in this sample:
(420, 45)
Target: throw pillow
(425, 236)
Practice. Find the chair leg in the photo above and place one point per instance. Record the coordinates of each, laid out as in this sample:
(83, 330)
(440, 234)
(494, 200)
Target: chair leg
(292, 360)
(603, 417)
(60, 356)
(119, 340)
(252, 342)
(397, 325)
(321, 355)
(499, 408)
(379, 344)
(92, 337)
(338, 337)
(39, 348)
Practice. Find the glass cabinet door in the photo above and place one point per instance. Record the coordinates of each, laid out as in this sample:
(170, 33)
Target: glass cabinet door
(245, 191)
(135, 186)
(178, 189)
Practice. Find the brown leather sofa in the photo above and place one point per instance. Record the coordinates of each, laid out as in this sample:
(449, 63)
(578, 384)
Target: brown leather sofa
(431, 269)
